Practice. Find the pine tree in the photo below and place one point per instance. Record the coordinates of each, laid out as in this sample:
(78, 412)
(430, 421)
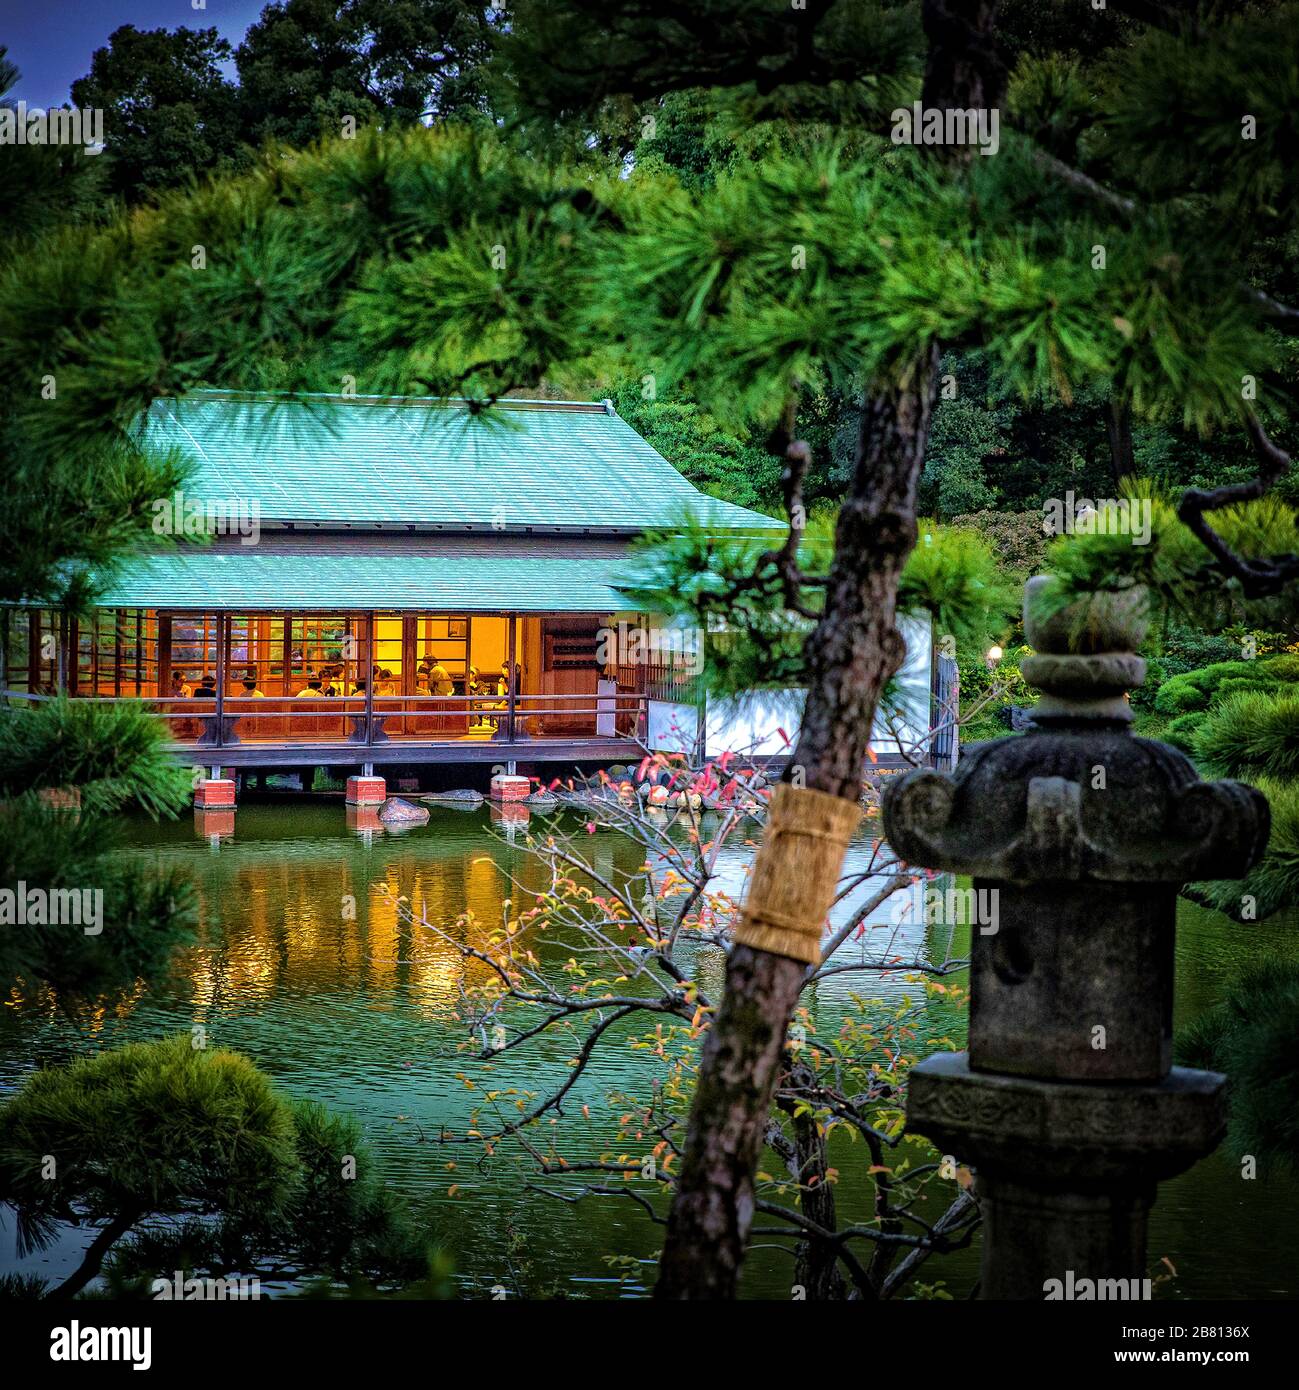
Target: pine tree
(248, 1181)
(1120, 241)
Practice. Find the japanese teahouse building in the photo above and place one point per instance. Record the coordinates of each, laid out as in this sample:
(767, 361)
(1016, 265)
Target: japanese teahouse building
(397, 582)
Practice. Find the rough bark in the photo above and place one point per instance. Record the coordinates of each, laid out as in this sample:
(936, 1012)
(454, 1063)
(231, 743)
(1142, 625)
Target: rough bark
(853, 650)
(816, 1263)
(1118, 428)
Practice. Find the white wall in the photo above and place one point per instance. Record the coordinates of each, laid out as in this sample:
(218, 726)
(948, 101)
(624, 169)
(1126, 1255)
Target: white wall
(673, 727)
(754, 723)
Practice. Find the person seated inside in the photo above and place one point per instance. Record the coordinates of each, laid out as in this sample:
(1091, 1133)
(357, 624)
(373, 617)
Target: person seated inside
(385, 685)
(180, 687)
(439, 680)
(359, 687)
(205, 689)
(311, 691)
(250, 690)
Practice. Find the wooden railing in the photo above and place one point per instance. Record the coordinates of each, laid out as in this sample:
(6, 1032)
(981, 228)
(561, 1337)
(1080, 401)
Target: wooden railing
(230, 720)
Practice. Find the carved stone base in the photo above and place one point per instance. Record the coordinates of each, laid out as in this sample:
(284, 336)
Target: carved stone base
(1066, 1171)
(1067, 1135)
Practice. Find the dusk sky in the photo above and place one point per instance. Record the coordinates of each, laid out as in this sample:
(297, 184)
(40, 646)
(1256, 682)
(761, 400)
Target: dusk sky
(52, 41)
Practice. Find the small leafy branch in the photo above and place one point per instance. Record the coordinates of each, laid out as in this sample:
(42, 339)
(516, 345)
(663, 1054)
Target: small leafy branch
(637, 948)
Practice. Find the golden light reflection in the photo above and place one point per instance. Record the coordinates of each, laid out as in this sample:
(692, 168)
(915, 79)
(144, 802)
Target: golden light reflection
(332, 915)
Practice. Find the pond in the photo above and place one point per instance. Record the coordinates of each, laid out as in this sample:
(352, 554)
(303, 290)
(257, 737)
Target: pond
(355, 1008)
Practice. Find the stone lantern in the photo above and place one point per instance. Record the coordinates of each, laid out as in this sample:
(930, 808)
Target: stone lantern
(1067, 1104)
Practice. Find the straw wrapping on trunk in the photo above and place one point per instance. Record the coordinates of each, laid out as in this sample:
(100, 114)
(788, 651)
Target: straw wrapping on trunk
(796, 872)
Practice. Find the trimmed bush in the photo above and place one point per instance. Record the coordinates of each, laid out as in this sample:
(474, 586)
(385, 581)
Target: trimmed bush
(246, 1178)
(1197, 690)
(1180, 732)
(1250, 735)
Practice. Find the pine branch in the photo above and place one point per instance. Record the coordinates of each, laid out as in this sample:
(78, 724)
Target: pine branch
(1258, 577)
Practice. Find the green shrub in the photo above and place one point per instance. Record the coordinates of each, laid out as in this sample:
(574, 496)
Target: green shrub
(1197, 690)
(952, 575)
(1181, 731)
(1273, 883)
(146, 1129)
(1253, 1036)
(1188, 649)
(1250, 735)
(245, 1178)
(115, 754)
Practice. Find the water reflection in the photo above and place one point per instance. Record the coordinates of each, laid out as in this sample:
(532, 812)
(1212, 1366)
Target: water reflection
(305, 962)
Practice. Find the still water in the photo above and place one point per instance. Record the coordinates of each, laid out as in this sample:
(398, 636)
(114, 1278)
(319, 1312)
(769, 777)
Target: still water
(303, 964)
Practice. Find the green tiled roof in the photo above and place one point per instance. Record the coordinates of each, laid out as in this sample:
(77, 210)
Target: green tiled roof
(244, 580)
(369, 462)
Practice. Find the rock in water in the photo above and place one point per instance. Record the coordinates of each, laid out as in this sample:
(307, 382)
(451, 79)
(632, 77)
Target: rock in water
(461, 797)
(395, 811)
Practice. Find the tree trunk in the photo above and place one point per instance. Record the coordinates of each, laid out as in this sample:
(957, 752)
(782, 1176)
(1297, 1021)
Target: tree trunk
(1118, 427)
(816, 1264)
(853, 650)
(92, 1261)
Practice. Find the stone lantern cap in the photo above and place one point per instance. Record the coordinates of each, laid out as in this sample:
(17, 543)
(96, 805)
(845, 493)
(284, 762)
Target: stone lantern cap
(1078, 797)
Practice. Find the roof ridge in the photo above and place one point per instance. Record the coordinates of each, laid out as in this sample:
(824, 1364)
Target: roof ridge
(602, 407)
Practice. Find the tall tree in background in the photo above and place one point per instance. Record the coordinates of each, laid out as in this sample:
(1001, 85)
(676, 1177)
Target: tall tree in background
(44, 186)
(304, 68)
(306, 65)
(170, 112)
